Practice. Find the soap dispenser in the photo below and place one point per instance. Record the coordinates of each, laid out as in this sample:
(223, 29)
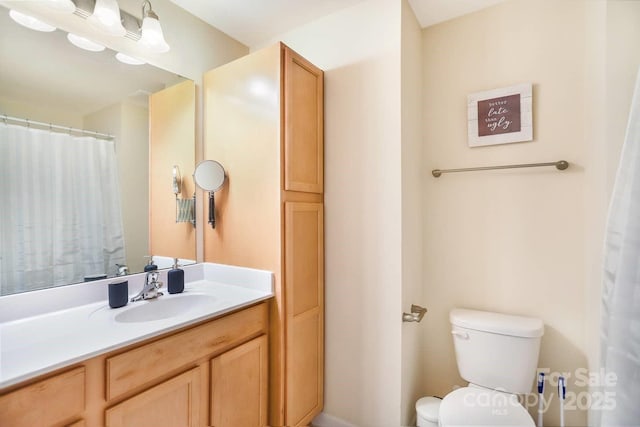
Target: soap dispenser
(151, 266)
(175, 278)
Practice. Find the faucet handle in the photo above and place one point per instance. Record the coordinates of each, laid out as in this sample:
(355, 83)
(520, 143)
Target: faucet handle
(152, 276)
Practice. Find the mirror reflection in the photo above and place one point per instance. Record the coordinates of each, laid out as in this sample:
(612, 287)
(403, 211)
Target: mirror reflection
(75, 204)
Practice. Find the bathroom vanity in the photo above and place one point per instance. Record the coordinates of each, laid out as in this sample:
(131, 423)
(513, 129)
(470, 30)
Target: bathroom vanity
(202, 363)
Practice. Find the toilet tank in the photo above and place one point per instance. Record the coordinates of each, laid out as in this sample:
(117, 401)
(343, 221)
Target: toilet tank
(496, 351)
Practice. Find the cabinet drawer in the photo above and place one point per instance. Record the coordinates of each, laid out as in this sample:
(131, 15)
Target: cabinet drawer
(46, 402)
(134, 368)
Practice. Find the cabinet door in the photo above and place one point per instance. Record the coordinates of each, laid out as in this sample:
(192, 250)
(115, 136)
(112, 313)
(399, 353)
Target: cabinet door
(303, 124)
(239, 386)
(304, 285)
(175, 402)
(45, 403)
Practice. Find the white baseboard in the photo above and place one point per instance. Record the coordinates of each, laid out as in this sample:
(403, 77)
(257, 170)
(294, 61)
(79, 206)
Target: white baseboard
(325, 420)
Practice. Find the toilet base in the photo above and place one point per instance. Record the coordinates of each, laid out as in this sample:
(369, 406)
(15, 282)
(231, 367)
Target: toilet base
(427, 411)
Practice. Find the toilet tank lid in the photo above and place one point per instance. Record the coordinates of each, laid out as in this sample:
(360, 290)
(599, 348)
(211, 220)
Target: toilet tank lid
(497, 323)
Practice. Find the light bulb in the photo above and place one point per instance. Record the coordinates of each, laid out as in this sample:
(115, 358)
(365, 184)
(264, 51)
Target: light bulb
(30, 22)
(84, 43)
(130, 60)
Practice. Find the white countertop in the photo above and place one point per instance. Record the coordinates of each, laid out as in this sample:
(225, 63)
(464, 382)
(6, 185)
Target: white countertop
(42, 331)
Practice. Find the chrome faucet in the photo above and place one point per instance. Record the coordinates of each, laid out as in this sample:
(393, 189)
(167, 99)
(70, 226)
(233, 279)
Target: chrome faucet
(151, 288)
(123, 270)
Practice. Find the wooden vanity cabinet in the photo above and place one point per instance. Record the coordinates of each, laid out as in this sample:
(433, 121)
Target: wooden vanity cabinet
(239, 386)
(211, 374)
(55, 401)
(174, 402)
(264, 124)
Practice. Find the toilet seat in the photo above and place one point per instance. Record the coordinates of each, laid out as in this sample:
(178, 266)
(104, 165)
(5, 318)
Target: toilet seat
(474, 406)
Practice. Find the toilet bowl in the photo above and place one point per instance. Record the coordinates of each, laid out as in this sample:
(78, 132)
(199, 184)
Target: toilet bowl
(427, 410)
(474, 406)
(498, 355)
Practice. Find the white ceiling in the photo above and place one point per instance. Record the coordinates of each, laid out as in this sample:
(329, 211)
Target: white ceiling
(255, 21)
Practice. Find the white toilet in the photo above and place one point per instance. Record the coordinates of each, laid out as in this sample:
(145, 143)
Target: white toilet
(498, 355)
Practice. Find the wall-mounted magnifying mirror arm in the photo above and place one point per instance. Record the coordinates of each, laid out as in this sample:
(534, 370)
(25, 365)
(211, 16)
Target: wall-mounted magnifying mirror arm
(185, 208)
(212, 209)
(177, 180)
(193, 213)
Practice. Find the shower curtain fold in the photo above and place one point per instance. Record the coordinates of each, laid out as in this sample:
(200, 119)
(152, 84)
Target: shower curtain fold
(60, 216)
(620, 338)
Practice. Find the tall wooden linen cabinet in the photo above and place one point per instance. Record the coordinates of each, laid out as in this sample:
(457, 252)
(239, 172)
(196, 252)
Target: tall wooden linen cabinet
(264, 124)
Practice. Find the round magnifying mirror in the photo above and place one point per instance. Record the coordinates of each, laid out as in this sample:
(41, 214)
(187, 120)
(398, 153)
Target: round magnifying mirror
(209, 175)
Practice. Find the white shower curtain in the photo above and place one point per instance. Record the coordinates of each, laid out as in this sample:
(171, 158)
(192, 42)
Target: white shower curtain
(621, 287)
(60, 214)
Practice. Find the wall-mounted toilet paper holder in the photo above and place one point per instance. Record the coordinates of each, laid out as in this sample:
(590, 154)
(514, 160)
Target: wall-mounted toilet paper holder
(416, 315)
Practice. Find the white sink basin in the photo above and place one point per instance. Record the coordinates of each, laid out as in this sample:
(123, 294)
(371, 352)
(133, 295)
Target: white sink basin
(164, 307)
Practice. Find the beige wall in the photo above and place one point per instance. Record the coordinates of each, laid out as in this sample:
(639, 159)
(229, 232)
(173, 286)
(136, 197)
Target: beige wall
(413, 385)
(622, 60)
(359, 50)
(508, 241)
(134, 183)
(129, 124)
(40, 113)
(529, 241)
(171, 142)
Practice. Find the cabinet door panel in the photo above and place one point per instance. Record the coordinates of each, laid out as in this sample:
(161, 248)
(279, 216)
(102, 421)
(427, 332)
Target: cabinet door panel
(239, 386)
(175, 402)
(303, 124)
(304, 285)
(47, 402)
(304, 375)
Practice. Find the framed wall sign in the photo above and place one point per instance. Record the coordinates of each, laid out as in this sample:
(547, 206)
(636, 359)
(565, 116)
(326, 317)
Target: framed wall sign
(500, 116)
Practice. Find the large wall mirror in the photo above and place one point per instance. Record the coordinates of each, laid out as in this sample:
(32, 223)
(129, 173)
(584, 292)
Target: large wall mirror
(76, 206)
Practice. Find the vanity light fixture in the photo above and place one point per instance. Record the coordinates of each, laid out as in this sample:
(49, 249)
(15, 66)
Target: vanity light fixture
(30, 22)
(151, 36)
(130, 60)
(106, 18)
(62, 6)
(84, 43)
